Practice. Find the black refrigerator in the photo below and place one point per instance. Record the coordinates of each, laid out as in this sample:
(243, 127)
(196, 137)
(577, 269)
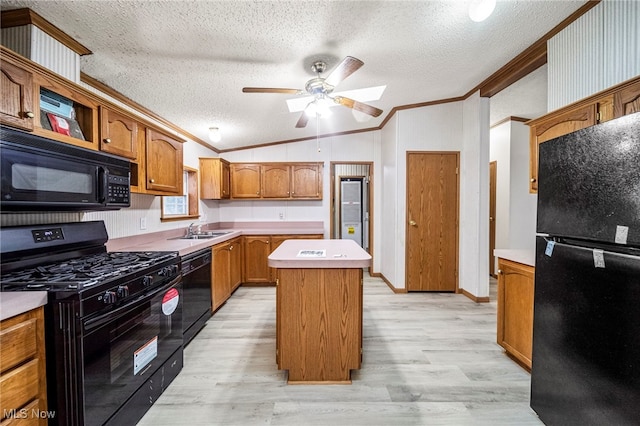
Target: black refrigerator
(586, 328)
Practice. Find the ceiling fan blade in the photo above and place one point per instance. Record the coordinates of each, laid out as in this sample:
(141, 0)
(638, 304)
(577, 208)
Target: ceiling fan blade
(272, 90)
(358, 106)
(302, 121)
(348, 66)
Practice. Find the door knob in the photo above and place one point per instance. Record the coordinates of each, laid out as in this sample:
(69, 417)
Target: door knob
(413, 223)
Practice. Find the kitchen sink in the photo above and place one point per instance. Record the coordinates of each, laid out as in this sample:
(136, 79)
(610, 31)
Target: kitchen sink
(201, 235)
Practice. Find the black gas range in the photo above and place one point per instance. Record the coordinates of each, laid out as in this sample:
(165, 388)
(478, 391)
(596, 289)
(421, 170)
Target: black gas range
(113, 321)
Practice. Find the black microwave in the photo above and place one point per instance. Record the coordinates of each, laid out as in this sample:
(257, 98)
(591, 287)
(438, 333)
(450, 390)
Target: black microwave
(40, 174)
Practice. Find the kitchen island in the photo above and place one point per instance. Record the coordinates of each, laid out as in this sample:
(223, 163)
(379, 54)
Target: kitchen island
(319, 309)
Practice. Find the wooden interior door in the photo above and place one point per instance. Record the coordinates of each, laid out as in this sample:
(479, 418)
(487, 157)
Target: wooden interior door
(432, 221)
(493, 168)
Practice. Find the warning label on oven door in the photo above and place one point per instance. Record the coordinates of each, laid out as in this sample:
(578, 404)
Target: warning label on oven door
(170, 301)
(144, 355)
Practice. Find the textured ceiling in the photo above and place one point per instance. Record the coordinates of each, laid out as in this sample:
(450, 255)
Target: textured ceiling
(187, 61)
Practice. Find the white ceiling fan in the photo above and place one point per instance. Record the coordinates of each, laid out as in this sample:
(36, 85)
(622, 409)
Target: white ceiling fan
(320, 89)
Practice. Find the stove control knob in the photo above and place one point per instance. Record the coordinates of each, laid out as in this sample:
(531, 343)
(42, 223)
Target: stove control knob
(122, 291)
(147, 280)
(167, 271)
(109, 297)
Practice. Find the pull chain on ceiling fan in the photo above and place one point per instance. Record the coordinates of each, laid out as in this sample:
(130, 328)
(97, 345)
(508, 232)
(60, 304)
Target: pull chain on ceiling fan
(320, 88)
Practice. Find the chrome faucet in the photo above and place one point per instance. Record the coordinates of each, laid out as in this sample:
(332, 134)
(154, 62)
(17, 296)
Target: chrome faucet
(190, 229)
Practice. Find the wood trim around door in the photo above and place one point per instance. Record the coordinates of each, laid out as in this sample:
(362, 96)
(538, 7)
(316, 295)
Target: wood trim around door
(411, 224)
(332, 207)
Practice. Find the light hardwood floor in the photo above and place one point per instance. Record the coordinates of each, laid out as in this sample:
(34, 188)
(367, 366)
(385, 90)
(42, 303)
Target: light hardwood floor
(429, 359)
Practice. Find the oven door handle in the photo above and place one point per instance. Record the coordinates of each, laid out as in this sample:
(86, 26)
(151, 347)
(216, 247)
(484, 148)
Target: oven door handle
(92, 323)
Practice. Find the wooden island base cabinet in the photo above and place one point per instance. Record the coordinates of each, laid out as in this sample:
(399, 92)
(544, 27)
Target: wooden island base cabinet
(319, 310)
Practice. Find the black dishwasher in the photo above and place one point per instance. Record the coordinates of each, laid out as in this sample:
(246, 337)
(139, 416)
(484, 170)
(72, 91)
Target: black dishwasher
(196, 282)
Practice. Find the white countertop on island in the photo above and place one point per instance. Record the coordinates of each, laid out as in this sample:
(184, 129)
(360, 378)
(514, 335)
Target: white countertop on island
(337, 254)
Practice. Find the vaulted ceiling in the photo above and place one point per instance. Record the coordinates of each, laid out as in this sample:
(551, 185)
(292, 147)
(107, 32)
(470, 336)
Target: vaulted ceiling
(187, 61)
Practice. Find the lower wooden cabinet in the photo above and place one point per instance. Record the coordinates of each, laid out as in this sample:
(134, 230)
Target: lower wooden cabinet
(23, 386)
(220, 275)
(515, 310)
(235, 263)
(257, 249)
(226, 274)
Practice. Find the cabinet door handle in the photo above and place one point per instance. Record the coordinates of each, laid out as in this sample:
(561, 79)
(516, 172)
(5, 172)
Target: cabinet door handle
(152, 180)
(107, 140)
(29, 114)
(533, 180)
(230, 248)
(500, 272)
(413, 223)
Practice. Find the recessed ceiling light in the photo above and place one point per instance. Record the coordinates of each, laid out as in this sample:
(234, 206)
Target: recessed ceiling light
(479, 10)
(214, 134)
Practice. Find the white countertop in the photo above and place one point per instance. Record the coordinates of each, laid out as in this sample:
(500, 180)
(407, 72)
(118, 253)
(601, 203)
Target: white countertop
(526, 257)
(14, 303)
(337, 254)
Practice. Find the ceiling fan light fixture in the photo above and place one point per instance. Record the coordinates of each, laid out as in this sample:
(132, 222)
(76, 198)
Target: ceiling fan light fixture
(479, 10)
(319, 108)
(214, 134)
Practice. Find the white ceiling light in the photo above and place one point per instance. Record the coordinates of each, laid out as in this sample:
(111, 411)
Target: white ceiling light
(214, 134)
(360, 95)
(479, 10)
(319, 107)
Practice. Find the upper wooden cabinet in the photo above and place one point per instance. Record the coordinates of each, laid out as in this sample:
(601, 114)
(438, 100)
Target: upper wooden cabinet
(118, 134)
(281, 181)
(276, 181)
(156, 156)
(245, 180)
(163, 163)
(604, 106)
(306, 180)
(16, 89)
(627, 99)
(215, 179)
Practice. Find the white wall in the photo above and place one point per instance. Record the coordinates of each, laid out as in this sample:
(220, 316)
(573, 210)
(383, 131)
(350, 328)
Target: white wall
(354, 147)
(432, 128)
(388, 213)
(515, 206)
(474, 197)
(599, 50)
(523, 205)
(500, 152)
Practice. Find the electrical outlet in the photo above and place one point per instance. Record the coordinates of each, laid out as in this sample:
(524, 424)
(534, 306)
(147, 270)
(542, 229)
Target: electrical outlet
(143, 223)
(281, 215)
